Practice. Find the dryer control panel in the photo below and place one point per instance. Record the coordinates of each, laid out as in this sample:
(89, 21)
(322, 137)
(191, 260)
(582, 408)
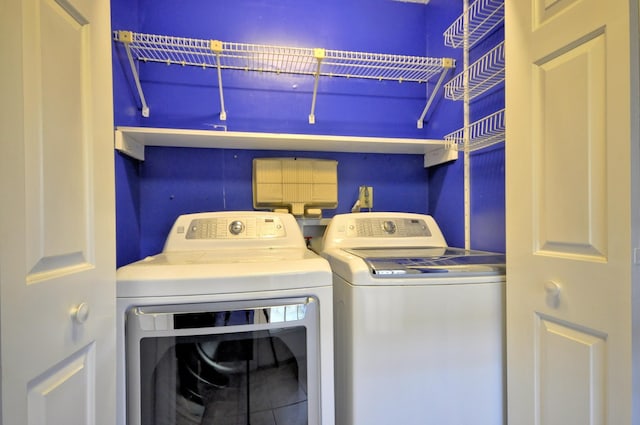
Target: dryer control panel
(234, 229)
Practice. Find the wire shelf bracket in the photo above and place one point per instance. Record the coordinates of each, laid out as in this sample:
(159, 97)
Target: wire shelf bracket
(216, 48)
(447, 65)
(126, 38)
(315, 62)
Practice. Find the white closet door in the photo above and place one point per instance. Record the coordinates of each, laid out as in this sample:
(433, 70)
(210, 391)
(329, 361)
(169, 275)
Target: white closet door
(569, 218)
(57, 253)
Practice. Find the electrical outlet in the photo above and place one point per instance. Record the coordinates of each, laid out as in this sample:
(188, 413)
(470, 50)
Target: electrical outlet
(365, 196)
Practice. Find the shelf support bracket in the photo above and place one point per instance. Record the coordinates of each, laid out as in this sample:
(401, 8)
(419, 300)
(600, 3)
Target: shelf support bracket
(447, 64)
(319, 55)
(126, 38)
(216, 47)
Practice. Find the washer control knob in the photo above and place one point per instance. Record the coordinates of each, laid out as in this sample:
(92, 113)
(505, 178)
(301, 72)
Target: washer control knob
(389, 227)
(236, 227)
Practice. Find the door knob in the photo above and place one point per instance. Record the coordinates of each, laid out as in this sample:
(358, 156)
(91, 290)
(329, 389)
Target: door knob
(80, 313)
(552, 289)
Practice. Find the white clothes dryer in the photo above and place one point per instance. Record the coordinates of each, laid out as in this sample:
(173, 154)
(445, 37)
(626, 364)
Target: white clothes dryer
(419, 327)
(232, 323)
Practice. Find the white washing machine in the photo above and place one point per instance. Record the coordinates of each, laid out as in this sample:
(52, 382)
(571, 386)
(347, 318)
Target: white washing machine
(231, 324)
(419, 327)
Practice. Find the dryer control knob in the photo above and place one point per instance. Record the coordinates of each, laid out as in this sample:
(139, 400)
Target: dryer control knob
(236, 227)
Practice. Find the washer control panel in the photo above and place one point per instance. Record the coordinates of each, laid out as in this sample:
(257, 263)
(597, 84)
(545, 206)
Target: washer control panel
(237, 227)
(382, 229)
(386, 227)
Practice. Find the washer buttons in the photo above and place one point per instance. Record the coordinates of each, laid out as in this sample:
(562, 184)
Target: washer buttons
(236, 227)
(389, 227)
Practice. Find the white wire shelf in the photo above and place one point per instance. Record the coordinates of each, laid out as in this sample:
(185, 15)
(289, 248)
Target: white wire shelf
(316, 62)
(483, 75)
(483, 17)
(279, 59)
(482, 133)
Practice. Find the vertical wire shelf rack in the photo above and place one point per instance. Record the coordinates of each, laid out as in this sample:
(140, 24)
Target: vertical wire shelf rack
(478, 20)
(483, 16)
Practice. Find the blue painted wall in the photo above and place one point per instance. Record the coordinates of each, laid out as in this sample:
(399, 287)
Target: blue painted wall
(172, 181)
(176, 181)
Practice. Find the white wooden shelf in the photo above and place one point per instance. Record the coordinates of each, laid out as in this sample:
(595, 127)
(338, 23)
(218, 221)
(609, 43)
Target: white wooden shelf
(483, 75)
(132, 141)
(483, 16)
(483, 133)
(315, 62)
